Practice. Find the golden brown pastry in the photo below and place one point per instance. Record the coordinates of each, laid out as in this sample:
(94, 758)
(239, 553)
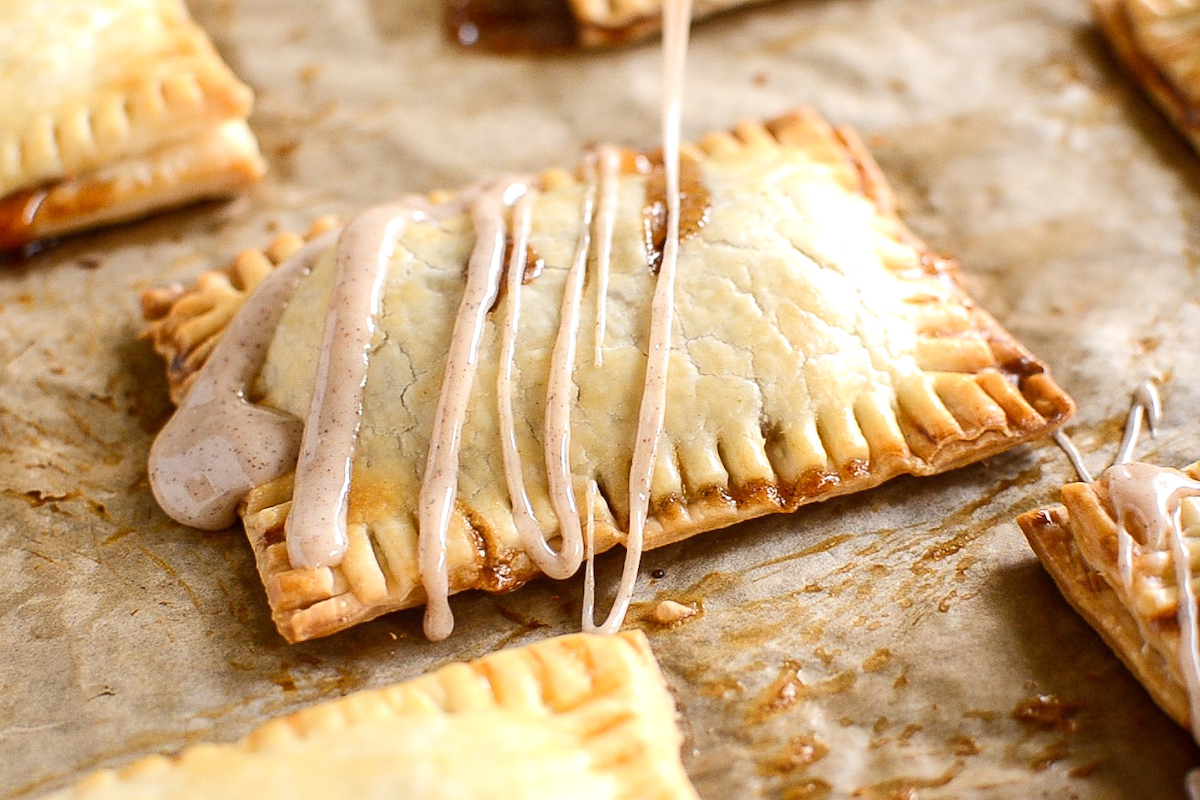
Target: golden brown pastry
(111, 109)
(1158, 41)
(580, 716)
(817, 348)
(1114, 550)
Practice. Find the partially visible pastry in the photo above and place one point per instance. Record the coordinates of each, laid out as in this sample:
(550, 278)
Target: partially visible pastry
(585, 717)
(112, 109)
(1158, 41)
(1125, 552)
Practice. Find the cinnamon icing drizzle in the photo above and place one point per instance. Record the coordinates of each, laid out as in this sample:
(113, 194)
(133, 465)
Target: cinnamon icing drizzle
(218, 446)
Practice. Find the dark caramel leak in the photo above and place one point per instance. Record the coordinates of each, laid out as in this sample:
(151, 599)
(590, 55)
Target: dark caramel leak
(534, 265)
(512, 26)
(1047, 712)
(17, 213)
(694, 205)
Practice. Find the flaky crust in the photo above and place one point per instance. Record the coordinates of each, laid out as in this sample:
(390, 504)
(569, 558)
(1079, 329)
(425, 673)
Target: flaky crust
(598, 703)
(961, 389)
(110, 109)
(1077, 544)
(1158, 43)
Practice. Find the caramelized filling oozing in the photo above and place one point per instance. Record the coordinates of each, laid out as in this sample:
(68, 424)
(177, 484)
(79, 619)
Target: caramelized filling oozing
(694, 204)
(512, 26)
(17, 213)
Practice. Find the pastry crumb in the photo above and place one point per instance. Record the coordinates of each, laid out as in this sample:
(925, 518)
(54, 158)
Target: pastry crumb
(669, 611)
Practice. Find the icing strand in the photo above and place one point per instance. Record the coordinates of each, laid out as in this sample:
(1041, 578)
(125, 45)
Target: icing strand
(589, 553)
(1146, 403)
(676, 18)
(534, 542)
(1073, 455)
(560, 390)
(316, 522)
(439, 487)
(609, 158)
(217, 446)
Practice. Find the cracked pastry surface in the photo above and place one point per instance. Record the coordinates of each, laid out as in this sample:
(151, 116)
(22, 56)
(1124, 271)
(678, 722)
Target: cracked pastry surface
(819, 348)
(1136, 609)
(1158, 42)
(110, 109)
(578, 716)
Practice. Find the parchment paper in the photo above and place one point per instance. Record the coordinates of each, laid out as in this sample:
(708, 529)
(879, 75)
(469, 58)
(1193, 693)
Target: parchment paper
(901, 643)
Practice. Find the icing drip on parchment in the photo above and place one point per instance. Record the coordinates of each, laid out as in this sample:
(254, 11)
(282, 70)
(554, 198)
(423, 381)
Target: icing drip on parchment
(218, 446)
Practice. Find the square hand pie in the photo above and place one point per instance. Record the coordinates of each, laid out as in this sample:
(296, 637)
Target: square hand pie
(579, 716)
(817, 348)
(1114, 550)
(1158, 41)
(110, 109)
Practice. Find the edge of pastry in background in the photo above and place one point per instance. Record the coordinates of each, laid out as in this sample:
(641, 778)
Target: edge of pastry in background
(111, 110)
(1078, 545)
(1158, 43)
(579, 716)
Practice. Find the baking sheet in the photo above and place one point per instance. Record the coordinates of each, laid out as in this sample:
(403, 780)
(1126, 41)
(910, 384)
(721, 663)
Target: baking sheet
(898, 643)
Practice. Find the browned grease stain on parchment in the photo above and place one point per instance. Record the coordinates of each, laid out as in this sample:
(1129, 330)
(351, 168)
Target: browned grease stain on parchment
(963, 745)
(789, 688)
(1058, 750)
(907, 788)
(1048, 713)
(797, 753)
(935, 563)
(877, 660)
(823, 546)
(324, 684)
(929, 556)
(811, 789)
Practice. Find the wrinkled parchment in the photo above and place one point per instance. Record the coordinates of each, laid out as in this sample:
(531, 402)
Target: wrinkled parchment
(899, 643)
